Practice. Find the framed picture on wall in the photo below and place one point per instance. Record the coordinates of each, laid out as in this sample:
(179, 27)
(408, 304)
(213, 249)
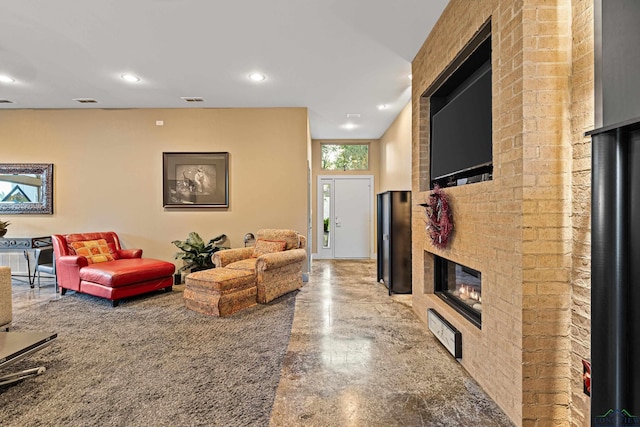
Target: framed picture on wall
(195, 180)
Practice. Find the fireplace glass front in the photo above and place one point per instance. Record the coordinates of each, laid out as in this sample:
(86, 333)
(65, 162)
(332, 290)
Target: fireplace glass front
(460, 287)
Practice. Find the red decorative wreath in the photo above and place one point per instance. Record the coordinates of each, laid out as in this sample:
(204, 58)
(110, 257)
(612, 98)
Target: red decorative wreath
(439, 218)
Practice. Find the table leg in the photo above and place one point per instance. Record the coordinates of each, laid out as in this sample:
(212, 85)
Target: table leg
(22, 375)
(31, 279)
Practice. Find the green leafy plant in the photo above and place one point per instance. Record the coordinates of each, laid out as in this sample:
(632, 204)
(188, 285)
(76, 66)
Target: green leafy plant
(3, 227)
(195, 253)
(345, 156)
(326, 225)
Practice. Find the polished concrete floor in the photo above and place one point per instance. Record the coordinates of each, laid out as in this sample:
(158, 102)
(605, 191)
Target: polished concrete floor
(357, 357)
(25, 297)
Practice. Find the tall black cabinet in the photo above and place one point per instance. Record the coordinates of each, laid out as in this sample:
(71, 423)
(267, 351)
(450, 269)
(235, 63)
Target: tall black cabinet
(394, 241)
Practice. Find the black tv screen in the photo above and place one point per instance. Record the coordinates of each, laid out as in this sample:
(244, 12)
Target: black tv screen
(461, 131)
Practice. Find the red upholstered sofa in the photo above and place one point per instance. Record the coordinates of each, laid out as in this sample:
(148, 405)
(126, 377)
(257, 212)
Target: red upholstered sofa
(96, 264)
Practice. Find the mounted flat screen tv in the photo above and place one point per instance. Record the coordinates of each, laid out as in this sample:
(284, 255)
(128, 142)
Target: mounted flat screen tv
(461, 122)
(461, 130)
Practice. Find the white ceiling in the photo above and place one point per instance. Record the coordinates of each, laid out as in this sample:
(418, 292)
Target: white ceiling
(332, 56)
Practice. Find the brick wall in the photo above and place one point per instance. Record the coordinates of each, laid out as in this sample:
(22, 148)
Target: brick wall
(519, 228)
(582, 120)
(546, 190)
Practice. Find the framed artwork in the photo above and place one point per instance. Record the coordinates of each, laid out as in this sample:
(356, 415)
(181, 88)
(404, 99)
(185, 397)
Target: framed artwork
(199, 180)
(26, 188)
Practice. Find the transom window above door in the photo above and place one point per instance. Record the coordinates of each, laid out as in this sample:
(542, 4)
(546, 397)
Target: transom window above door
(345, 157)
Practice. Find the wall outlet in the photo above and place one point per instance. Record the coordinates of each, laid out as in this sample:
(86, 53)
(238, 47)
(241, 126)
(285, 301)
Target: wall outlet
(586, 377)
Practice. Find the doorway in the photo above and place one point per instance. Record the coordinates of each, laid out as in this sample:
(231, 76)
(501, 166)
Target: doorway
(344, 220)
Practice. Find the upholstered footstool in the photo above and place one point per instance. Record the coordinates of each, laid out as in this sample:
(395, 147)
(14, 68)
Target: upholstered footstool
(220, 291)
(6, 308)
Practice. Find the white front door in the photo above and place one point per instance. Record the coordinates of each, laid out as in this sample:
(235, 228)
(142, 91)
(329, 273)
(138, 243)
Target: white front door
(345, 210)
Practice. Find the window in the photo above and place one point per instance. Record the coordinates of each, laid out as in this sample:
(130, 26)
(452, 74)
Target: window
(345, 157)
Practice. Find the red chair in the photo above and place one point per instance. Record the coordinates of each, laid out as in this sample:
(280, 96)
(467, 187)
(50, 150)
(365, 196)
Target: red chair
(96, 264)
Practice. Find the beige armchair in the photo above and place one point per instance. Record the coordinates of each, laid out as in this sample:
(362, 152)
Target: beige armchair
(6, 308)
(276, 260)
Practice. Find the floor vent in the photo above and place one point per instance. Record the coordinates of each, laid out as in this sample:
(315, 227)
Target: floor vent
(449, 336)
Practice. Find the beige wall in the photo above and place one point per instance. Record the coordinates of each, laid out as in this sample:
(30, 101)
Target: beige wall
(108, 171)
(527, 230)
(374, 162)
(395, 154)
(389, 162)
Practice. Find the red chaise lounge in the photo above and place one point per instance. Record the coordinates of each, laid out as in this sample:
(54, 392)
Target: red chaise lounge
(96, 264)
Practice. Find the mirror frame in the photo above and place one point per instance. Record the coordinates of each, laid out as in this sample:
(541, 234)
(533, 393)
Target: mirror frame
(43, 169)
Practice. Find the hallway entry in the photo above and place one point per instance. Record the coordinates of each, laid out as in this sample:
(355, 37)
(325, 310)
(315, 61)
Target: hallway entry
(345, 212)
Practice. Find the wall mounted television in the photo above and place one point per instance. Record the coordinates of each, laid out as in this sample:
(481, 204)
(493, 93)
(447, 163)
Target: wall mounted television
(461, 119)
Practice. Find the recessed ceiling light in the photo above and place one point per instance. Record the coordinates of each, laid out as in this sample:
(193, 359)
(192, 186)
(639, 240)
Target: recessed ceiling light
(6, 79)
(257, 77)
(349, 126)
(130, 78)
(383, 106)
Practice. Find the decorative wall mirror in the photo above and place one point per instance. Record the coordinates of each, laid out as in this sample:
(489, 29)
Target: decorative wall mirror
(26, 188)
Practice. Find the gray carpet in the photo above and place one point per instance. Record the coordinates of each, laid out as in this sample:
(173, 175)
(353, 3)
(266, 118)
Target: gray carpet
(149, 362)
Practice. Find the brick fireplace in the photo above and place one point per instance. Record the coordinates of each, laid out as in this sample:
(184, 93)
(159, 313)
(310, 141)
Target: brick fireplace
(526, 230)
(460, 287)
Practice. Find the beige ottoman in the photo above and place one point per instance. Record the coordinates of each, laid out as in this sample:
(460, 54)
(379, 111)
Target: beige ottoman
(6, 309)
(220, 291)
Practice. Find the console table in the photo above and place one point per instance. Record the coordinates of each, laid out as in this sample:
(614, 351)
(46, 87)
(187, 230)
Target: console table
(25, 244)
(15, 346)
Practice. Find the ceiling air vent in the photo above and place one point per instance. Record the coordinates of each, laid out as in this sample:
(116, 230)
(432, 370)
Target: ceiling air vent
(85, 100)
(192, 98)
(6, 101)
(353, 115)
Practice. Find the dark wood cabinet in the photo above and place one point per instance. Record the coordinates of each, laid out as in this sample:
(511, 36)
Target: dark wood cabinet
(394, 241)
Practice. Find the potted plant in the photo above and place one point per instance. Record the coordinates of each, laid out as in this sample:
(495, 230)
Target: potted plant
(326, 233)
(3, 227)
(195, 254)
